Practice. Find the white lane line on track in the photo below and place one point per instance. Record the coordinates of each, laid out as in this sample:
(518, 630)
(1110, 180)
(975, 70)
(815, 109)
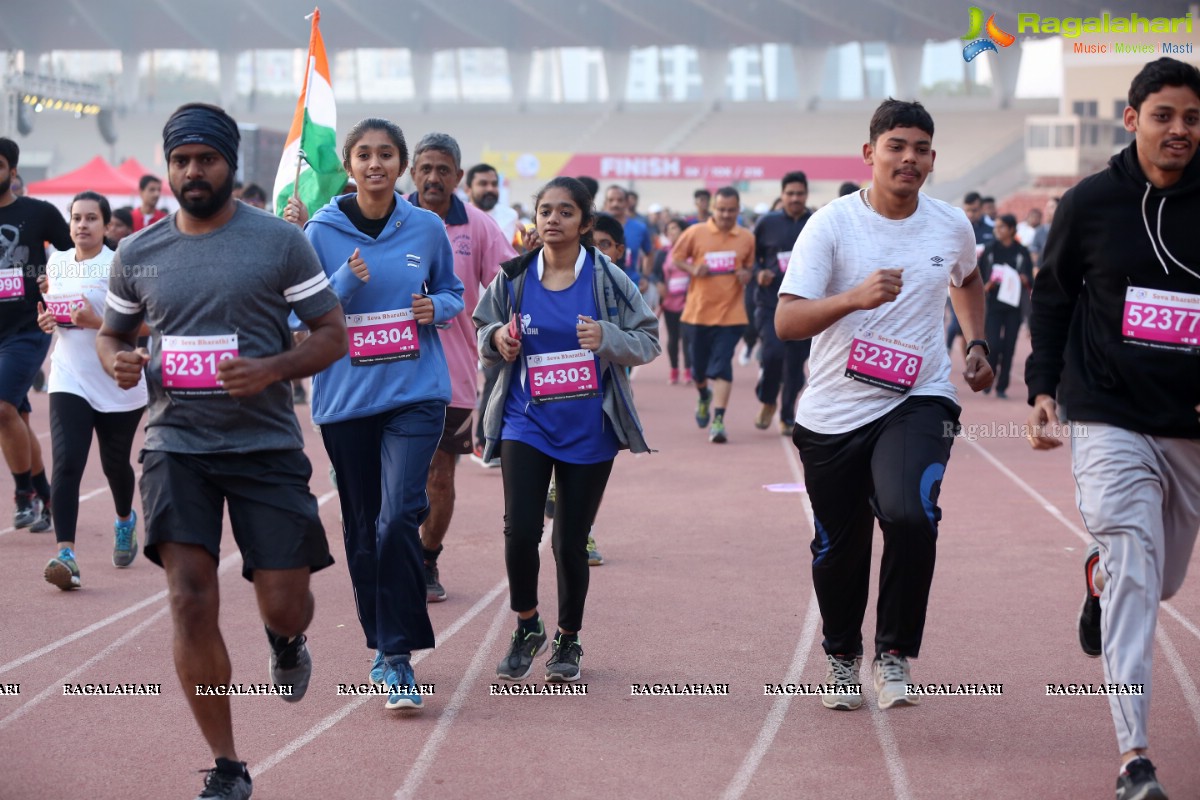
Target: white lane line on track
(1083, 535)
(891, 750)
(125, 612)
(1181, 673)
(132, 633)
(774, 720)
(424, 760)
(808, 634)
(1164, 641)
(312, 733)
(125, 638)
(66, 640)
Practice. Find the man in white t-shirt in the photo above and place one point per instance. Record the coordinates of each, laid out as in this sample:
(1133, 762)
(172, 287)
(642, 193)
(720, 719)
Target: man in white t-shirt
(867, 282)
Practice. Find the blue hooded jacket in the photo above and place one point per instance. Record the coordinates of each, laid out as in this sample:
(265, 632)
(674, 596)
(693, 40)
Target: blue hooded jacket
(411, 256)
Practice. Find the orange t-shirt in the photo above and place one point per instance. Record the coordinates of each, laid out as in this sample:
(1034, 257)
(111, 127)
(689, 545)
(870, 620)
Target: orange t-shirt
(716, 298)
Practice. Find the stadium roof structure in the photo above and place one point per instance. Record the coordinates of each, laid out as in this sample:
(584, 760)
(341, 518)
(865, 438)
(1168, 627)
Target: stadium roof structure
(428, 25)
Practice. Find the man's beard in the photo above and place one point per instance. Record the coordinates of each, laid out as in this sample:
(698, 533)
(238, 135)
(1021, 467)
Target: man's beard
(203, 209)
(4, 187)
(487, 201)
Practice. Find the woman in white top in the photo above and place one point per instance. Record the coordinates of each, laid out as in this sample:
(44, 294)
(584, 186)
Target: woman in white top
(83, 397)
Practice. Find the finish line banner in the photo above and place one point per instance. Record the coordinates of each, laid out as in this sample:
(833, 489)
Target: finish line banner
(716, 168)
(708, 169)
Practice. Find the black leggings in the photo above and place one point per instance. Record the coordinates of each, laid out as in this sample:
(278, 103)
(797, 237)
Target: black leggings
(676, 336)
(72, 420)
(579, 489)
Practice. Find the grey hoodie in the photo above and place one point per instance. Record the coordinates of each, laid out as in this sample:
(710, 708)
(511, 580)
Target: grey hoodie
(630, 338)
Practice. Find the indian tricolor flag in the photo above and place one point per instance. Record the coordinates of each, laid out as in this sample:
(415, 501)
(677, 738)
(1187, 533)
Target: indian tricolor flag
(310, 167)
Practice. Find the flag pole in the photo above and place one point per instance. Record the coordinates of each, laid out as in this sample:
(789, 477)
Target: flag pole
(315, 16)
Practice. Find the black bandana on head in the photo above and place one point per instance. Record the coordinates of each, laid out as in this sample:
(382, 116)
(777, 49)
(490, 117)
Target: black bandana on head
(200, 123)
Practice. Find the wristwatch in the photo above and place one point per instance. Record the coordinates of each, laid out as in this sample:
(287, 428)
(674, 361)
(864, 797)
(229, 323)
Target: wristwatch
(987, 351)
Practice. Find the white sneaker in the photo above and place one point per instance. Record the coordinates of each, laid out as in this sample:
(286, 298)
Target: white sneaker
(744, 356)
(892, 676)
(842, 689)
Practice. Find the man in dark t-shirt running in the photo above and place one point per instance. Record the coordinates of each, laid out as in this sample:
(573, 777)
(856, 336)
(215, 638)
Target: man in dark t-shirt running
(215, 282)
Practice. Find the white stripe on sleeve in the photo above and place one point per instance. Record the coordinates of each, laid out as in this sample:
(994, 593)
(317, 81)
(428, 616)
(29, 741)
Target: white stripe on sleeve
(121, 305)
(315, 284)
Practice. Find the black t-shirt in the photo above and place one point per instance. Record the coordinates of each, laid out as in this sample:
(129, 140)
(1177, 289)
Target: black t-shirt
(370, 227)
(1015, 255)
(25, 227)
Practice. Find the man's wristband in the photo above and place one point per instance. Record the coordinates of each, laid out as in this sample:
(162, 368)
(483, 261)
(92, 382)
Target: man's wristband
(987, 351)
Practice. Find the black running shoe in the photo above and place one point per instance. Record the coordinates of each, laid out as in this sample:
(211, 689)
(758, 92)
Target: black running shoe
(434, 591)
(524, 648)
(220, 785)
(1089, 613)
(29, 509)
(291, 665)
(1138, 782)
(563, 666)
(44, 522)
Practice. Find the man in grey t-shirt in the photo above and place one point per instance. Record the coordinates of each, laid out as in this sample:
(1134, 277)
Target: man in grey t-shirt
(215, 282)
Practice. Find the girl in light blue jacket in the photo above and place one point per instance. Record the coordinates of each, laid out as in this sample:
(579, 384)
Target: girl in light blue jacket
(382, 407)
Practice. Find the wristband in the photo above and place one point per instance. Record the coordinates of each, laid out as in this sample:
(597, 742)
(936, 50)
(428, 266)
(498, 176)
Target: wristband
(987, 351)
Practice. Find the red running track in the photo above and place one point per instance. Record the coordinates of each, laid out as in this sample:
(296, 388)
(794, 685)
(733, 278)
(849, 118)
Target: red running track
(706, 581)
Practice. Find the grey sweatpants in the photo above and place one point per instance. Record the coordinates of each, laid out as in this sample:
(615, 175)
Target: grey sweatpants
(1139, 496)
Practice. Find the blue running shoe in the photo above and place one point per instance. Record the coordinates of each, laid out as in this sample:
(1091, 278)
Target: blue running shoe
(62, 570)
(402, 685)
(125, 541)
(378, 667)
(703, 410)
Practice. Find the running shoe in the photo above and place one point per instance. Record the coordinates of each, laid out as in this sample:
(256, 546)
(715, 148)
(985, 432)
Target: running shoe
(486, 463)
(594, 557)
(299, 394)
(434, 591)
(1137, 781)
(763, 420)
(745, 355)
(62, 570)
(44, 523)
(291, 664)
(786, 428)
(703, 410)
(525, 647)
(29, 508)
(892, 676)
(378, 668)
(220, 785)
(674, 379)
(563, 666)
(842, 688)
(1089, 612)
(125, 541)
(716, 433)
(402, 685)
(551, 496)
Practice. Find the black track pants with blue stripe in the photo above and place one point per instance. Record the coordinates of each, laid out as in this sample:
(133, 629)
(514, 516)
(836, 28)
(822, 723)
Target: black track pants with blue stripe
(890, 469)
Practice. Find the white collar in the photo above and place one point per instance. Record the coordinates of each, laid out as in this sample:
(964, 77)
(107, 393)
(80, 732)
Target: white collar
(541, 266)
